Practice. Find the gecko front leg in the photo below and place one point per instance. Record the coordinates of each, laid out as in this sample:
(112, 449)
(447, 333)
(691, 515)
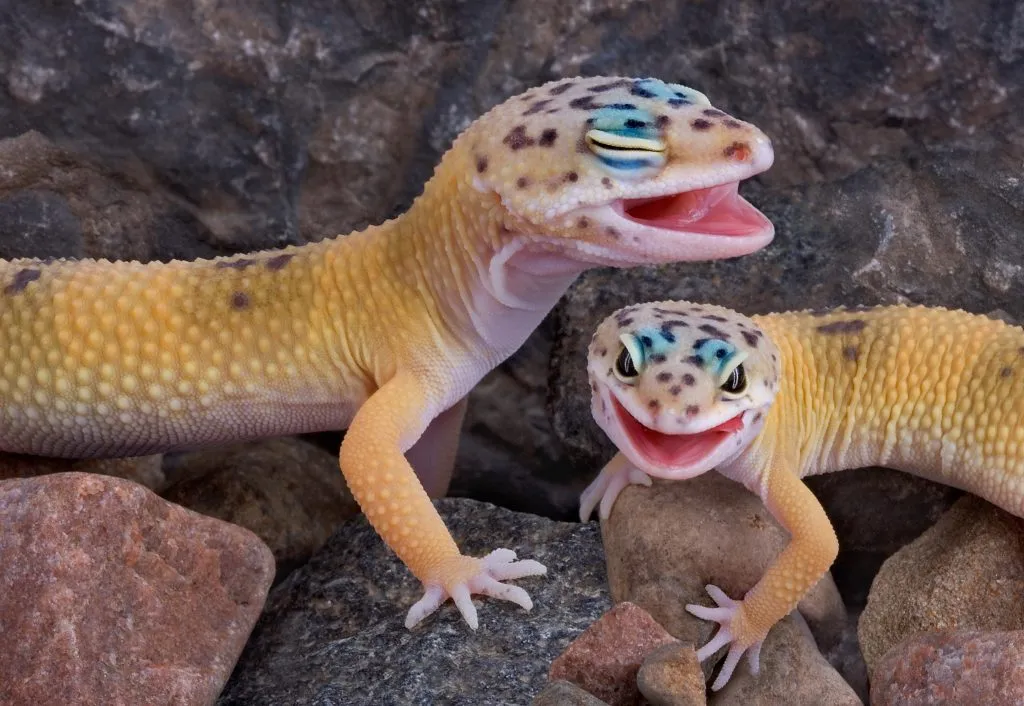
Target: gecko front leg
(386, 488)
(810, 553)
(605, 489)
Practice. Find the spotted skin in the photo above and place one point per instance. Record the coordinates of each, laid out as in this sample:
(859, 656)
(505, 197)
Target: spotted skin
(382, 332)
(930, 391)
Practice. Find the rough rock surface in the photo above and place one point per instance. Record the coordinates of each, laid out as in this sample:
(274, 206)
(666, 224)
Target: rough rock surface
(671, 676)
(965, 573)
(109, 594)
(565, 693)
(288, 492)
(144, 470)
(793, 673)
(333, 632)
(665, 543)
(605, 658)
(951, 667)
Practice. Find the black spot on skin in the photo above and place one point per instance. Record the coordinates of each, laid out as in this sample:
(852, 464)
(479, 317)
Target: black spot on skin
(601, 88)
(584, 103)
(613, 232)
(638, 90)
(661, 121)
(1006, 372)
(622, 106)
(481, 165)
(664, 376)
(692, 410)
(606, 182)
(235, 264)
(757, 418)
(517, 139)
(654, 405)
(677, 102)
(715, 317)
(667, 334)
(850, 326)
(22, 278)
(583, 222)
(689, 380)
(551, 111)
(714, 331)
(581, 145)
(571, 177)
(701, 124)
(240, 300)
(548, 137)
(750, 338)
(658, 358)
(675, 390)
(713, 113)
(602, 352)
(635, 124)
(732, 124)
(561, 88)
(537, 107)
(624, 322)
(850, 353)
(695, 360)
(279, 262)
(522, 182)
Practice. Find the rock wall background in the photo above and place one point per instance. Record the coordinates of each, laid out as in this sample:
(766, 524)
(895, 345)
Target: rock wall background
(155, 129)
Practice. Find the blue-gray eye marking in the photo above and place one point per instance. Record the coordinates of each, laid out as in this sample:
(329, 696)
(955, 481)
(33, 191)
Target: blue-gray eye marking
(646, 341)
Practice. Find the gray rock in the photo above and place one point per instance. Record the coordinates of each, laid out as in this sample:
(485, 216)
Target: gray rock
(288, 492)
(332, 632)
(144, 470)
(564, 693)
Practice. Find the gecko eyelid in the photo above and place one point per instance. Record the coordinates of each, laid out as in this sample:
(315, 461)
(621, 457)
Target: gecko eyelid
(603, 140)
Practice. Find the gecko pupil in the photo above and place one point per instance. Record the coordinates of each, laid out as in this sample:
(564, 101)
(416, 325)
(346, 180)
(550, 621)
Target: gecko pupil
(624, 364)
(736, 382)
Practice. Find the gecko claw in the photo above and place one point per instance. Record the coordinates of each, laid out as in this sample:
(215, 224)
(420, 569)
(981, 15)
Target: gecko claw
(460, 577)
(605, 489)
(733, 626)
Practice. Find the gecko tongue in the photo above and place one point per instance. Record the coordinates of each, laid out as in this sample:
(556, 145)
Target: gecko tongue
(675, 450)
(717, 210)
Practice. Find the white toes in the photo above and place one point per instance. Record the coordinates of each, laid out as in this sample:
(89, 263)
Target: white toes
(499, 556)
(731, 660)
(718, 615)
(723, 638)
(589, 499)
(432, 599)
(638, 477)
(502, 591)
(719, 597)
(754, 659)
(461, 597)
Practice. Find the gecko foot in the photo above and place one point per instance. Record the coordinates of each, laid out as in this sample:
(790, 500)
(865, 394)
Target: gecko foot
(606, 488)
(461, 576)
(733, 632)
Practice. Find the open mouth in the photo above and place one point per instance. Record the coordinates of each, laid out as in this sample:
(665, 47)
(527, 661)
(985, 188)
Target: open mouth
(675, 450)
(716, 210)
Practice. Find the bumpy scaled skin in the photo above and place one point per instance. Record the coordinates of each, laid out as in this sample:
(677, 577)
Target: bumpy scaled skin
(682, 388)
(384, 331)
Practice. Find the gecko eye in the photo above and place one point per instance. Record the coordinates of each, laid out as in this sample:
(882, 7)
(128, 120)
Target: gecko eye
(736, 383)
(626, 153)
(630, 361)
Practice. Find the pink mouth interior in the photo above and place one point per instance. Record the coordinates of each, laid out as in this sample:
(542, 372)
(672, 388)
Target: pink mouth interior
(675, 450)
(717, 210)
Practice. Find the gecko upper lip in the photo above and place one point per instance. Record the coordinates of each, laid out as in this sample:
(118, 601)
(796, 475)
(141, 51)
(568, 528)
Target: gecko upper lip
(674, 450)
(715, 210)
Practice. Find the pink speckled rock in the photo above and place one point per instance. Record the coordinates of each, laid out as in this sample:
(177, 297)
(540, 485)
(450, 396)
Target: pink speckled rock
(606, 657)
(109, 594)
(950, 667)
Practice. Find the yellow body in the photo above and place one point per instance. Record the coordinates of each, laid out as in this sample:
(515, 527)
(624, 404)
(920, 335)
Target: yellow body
(384, 331)
(930, 391)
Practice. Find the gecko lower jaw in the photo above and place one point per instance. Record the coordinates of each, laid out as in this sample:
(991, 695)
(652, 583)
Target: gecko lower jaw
(716, 210)
(681, 454)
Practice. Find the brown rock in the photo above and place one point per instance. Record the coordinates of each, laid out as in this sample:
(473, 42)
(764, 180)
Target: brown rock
(950, 667)
(671, 676)
(793, 673)
(288, 491)
(144, 470)
(665, 543)
(111, 595)
(605, 658)
(564, 693)
(965, 573)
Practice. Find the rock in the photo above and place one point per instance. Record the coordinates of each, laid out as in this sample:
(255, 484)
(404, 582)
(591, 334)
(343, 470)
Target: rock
(144, 470)
(333, 631)
(890, 233)
(965, 573)
(288, 492)
(793, 673)
(604, 659)
(952, 667)
(671, 676)
(565, 693)
(111, 595)
(665, 543)
(846, 658)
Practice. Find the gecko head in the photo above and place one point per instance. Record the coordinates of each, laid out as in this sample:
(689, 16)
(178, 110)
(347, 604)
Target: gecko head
(681, 388)
(619, 171)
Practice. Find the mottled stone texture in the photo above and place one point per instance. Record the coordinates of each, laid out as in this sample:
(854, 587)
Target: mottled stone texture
(333, 631)
(671, 676)
(111, 595)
